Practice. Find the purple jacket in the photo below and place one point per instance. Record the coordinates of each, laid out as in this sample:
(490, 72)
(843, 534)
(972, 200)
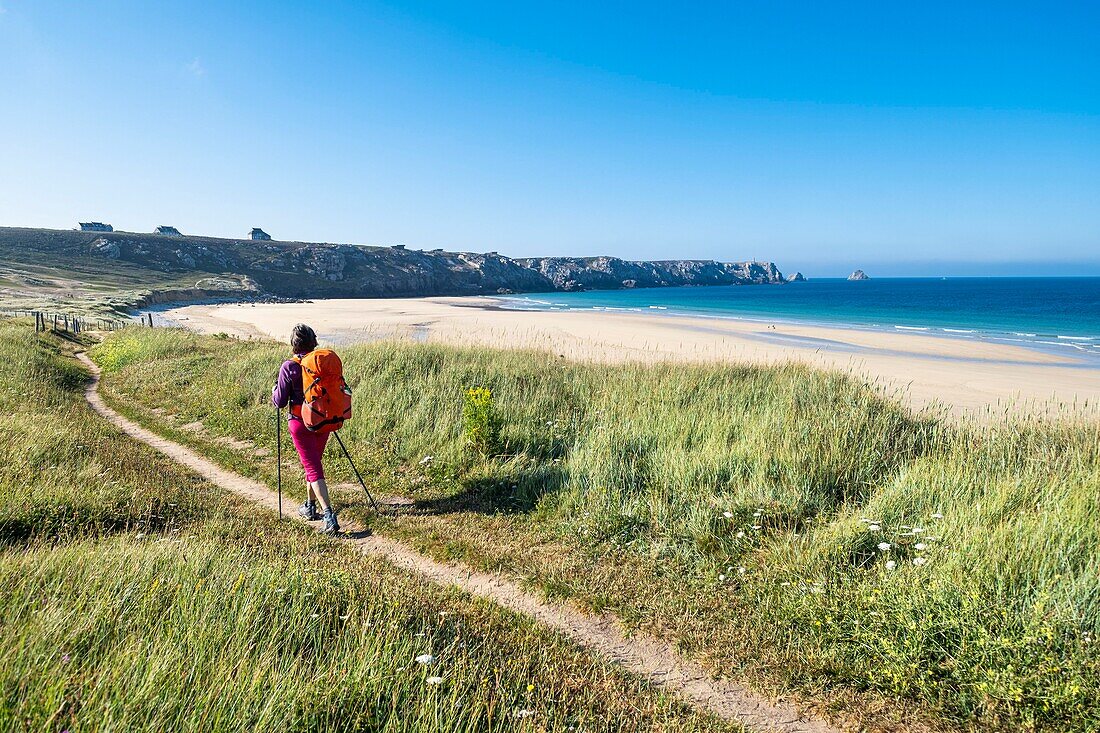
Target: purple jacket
(288, 391)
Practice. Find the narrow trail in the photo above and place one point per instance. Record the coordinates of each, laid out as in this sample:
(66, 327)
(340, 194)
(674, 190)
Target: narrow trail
(652, 659)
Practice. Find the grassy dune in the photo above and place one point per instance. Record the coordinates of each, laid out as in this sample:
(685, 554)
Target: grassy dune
(134, 596)
(737, 510)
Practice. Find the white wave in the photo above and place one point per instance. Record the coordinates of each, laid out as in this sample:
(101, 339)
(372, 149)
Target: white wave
(1077, 338)
(1017, 333)
(1079, 347)
(957, 330)
(913, 328)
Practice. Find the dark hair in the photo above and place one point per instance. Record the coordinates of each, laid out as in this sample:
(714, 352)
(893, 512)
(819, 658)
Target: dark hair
(302, 339)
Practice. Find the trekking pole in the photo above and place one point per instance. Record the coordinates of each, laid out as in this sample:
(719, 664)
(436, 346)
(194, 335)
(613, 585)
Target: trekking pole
(353, 468)
(279, 457)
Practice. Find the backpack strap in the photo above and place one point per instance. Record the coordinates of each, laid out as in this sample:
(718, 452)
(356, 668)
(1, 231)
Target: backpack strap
(307, 370)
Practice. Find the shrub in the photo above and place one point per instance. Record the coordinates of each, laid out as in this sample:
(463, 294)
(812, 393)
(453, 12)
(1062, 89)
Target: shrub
(480, 421)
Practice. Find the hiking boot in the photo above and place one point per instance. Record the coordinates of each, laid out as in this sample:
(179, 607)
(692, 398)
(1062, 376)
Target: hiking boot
(309, 511)
(331, 525)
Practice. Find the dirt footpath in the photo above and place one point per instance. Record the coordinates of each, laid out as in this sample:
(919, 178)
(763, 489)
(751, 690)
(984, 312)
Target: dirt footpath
(655, 660)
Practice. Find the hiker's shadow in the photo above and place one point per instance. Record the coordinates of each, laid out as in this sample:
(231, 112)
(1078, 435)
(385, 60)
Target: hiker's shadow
(517, 493)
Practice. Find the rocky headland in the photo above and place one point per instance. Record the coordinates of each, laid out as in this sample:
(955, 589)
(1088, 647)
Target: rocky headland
(244, 268)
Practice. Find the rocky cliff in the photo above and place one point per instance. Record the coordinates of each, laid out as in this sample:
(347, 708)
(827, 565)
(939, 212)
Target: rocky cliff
(858, 275)
(313, 270)
(605, 273)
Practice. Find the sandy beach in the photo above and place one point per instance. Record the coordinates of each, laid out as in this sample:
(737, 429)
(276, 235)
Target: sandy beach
(965, 377)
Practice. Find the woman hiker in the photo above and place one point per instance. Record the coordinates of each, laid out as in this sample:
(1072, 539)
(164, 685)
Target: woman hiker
(289, 391)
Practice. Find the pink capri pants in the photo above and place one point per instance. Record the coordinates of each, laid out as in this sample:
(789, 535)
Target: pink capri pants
(310, 446)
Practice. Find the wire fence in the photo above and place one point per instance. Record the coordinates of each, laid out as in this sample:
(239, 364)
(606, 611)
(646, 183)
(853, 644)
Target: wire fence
(71, 323)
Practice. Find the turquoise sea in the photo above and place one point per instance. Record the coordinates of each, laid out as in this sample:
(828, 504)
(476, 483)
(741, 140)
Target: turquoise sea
(1061, 315)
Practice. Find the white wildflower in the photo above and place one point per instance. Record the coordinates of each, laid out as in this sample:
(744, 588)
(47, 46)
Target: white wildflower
(741, 570)
(918, 561)
(524, 713)
(425, 659)
(315, 615)
(937, 515)
(721, 577)
(874, 527)
(426, 459)
(884, 546)
(756, 526)
(918, 530)
(740, 534)
(434, 680)
(344, 618)
(920, 546)
(727, 515)
(757, 513)
(891, 565)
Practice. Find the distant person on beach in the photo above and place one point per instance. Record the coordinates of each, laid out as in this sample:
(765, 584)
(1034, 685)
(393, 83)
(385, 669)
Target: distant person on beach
(289, 392)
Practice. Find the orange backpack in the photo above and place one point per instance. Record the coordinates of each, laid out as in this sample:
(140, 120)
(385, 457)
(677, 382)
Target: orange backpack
(328, 396)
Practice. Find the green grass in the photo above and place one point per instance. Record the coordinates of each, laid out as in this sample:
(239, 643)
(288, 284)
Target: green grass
(135, 596)
(54, 271)
(613, 487)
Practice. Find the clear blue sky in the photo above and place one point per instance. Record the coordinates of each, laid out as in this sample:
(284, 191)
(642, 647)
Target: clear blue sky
(904, 138)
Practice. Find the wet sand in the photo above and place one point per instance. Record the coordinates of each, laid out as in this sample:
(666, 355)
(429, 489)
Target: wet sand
(963, 376)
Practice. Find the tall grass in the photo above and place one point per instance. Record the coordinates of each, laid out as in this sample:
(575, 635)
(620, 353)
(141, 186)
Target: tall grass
(136, 597)
(792, 525)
